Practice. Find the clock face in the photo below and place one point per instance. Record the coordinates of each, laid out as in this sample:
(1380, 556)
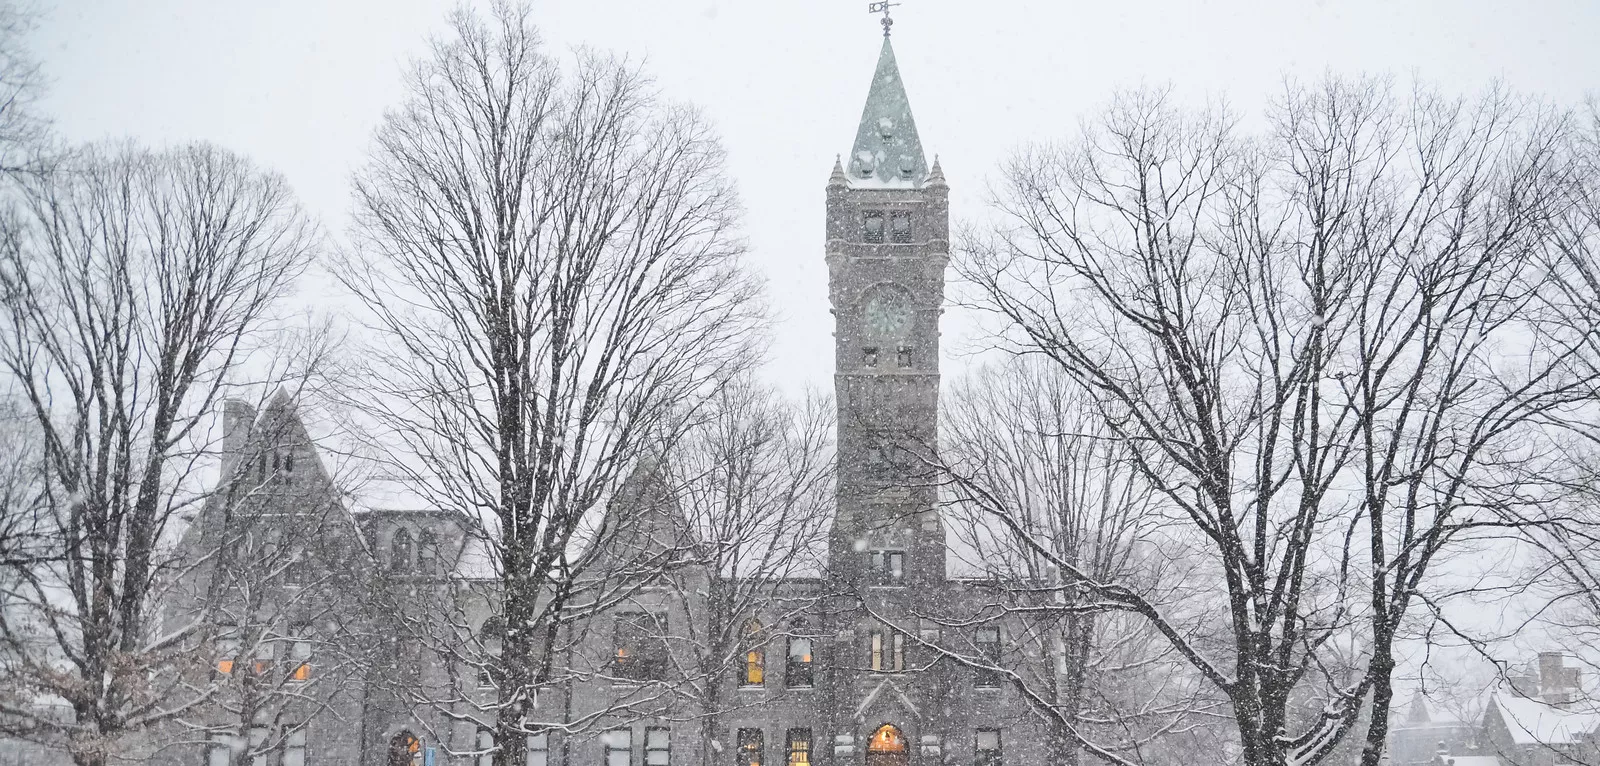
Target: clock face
(888, 315)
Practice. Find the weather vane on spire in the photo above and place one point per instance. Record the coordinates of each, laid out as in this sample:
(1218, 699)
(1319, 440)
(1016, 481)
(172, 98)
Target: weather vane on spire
(883, 8)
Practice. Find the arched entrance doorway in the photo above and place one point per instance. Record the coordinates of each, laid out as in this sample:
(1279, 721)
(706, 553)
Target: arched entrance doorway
(405, 750)
(887, 747)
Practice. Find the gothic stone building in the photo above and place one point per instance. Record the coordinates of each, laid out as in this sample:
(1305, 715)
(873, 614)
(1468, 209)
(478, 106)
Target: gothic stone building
(851, 673)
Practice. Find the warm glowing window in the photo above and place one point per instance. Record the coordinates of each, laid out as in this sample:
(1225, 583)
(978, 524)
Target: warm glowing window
(755, 656)
(266, 653)
(799, 672)
(227, 653)
(799, 747)
(300, 657)
(751, 749)
(876, 650)
(887, 739)
(640, 646)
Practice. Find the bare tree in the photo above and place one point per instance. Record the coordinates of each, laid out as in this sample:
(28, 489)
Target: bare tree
(135, 285)
(23, 131)
(1018, 441)
(1334, 349)
(550, 262)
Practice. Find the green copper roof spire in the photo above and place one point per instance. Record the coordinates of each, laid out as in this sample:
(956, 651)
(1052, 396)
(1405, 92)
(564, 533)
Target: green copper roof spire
(887, 151)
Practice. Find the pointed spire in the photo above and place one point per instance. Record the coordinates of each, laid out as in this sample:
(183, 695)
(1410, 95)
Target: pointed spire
(887, 151)
(837, 178)
(936, 174)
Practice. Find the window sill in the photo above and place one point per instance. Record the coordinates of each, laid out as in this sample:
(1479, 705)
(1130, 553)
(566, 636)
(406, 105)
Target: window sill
(752, 687)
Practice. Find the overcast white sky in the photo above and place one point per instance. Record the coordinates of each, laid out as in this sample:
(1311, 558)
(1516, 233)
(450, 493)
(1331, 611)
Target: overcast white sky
(299, 85)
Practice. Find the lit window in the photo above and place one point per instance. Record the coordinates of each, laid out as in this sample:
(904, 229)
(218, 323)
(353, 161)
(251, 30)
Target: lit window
(300, 657)
(900, 228)
(227, 653)
(618, 747)
(657, 746)
(755, 656)
(799, 747)
(751, 748)
(987, 748)
(485, 747)
(799, 671)
(641, 647)
(903, 356)
(987, 640)
(872, 226)
(876, 657)
(294, 748)
(538, 750)
(869, 356)
(266, 652)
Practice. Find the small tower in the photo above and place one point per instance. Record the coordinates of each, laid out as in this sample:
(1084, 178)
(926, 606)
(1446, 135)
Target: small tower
(887, 247)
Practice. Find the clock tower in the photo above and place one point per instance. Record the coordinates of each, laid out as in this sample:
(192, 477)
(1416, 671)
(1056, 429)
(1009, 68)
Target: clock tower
(887, 247)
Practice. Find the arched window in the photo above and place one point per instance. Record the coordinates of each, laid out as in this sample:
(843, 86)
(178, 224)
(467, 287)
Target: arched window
(755, 656)
(427, 552)
(400, 550)
(887, 747)
(798, 669)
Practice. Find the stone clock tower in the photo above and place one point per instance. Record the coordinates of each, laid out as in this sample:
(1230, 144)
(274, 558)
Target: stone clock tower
(887, 246)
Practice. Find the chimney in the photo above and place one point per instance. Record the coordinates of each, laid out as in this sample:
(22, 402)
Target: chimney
(1557, 683)
(238, 417)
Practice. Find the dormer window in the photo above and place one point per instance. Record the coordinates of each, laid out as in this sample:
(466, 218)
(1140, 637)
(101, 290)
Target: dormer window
(900, 226)
(872, 227)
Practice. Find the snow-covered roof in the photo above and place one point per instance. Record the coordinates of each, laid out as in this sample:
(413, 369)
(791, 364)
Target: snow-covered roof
(888, 152)
(1474, 760)
(1532, 721)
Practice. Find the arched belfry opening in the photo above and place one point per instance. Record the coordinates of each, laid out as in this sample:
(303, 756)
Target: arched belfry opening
(887, 747)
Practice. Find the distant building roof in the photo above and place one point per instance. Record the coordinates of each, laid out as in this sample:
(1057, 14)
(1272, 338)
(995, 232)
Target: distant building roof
(1532, 721)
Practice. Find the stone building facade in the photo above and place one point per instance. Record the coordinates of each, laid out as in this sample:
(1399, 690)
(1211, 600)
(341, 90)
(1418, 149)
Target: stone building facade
(884, 659)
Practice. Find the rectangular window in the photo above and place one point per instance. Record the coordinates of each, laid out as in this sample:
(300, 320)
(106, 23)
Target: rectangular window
(872, 227)
(220, 752)
(265, 652)
(538, 750)
(987, 640)
(657, 746)
(877, 650)
(294, 748)
(641, 646)
(799, 747)
(227, 653)
(751, 748)
(300, 657)
(889, 566)
(900, 228)
(799, 673)
(987, 748)
(258, 742)
(899, 658)
(903, 357)
(618, 745)
(869, 356)
(485, 747)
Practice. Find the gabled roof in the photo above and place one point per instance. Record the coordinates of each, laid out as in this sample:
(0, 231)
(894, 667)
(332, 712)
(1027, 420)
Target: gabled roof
(888, 152)
(1532, 721)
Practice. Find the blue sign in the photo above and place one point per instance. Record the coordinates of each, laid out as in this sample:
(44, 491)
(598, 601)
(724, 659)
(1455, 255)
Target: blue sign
(427, 757)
